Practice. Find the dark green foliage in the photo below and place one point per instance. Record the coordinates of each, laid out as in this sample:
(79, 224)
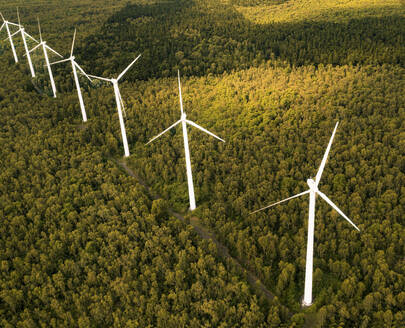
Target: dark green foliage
(202, 37)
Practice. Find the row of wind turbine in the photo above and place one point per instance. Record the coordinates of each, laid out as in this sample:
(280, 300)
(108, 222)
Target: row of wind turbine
(313, 190)
(118, 98)
(75, 67)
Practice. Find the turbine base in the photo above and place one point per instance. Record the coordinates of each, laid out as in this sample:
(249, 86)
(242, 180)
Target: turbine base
(305, 304)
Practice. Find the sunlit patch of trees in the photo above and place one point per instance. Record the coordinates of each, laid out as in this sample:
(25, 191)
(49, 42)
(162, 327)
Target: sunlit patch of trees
(277, 122)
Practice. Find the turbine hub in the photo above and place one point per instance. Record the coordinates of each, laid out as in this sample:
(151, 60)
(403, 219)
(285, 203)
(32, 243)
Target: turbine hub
(73, 57)
(311, 184)
(183, 116)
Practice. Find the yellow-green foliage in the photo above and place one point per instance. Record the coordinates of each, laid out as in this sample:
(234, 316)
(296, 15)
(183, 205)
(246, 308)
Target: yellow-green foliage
(276, 122)
(318, 10)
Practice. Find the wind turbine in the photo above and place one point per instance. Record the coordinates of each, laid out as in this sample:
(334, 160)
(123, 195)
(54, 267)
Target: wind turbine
(183, 120)
(120, 103)
(6, 24)
(45, 49)
(75, 66)
(24, 36)
(313, 191)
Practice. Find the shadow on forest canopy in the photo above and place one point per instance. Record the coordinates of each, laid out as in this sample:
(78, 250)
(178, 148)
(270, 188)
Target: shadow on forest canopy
(202, 37)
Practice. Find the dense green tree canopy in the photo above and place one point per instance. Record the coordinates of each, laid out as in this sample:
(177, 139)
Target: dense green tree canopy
(86, 244)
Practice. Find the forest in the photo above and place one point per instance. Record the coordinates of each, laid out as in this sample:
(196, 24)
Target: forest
(86, 244)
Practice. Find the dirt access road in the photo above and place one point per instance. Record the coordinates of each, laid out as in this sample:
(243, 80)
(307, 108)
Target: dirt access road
(204, 233)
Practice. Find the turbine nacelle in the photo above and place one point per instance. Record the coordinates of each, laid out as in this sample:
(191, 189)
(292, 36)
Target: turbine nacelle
(312, 185)
(183, 116)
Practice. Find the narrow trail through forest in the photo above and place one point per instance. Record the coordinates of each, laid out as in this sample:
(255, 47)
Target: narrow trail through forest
(204, 233)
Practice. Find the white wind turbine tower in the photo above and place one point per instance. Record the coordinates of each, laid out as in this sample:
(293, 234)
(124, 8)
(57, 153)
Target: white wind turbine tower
(24, 36)
(183, 120)
(6, 24)
(120, 103)
(313, 191)
(45, 49)
(76, 66)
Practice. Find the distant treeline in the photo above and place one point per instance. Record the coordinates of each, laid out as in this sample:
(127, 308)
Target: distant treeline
(202, 37)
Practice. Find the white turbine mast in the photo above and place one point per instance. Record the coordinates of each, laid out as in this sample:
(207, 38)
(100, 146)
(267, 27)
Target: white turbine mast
(313, 191)
(76, 66)
(45, 49)
(120, 103)
(183, 120)
(24, 36)
(9, 36)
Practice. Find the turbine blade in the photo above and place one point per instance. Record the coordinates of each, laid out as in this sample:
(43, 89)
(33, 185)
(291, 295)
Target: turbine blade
(39, 28)
(18, 15)
(2, 17)
(83, 72)
(181, 97)
(26, 34)
(49, 48)
(13, 24)
(204, 130)
(60, 61)
(37, 46)
(73, 44)
(99, 78)
(122, 103)
(15, 33)
(325, 156)
(170, 127)
(281, 201)
(336, 208)
(2, 25)
(11, 35)
(128, 67)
